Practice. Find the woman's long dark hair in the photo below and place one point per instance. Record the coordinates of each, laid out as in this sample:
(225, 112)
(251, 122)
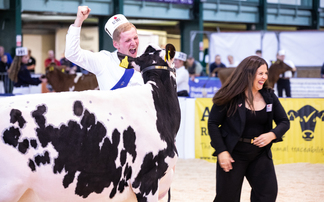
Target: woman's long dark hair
(15, 68)
(241, 79)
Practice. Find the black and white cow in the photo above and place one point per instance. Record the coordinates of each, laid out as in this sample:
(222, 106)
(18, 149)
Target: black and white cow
(93, 145)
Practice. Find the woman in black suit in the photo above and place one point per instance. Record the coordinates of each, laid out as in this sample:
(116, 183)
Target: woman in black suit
(240, 128)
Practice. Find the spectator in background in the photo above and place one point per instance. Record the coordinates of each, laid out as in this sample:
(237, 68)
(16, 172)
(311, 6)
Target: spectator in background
(4, 66)
(69, 67)
(31, 62)
(258, 53)
(19, 73)
(231, 61)
(2, 53)
(322, 71)
(194, 68)
(283, 82)
(50, 59)
(215, 65)
(182, 77)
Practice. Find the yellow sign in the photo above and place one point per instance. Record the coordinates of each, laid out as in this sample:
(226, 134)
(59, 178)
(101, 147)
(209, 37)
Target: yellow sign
(303, 142)
(203, 149)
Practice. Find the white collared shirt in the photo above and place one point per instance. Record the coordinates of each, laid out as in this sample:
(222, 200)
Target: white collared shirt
(182, 79)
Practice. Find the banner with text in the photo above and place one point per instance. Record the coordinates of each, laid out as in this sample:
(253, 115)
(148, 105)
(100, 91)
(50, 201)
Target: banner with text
(203, 87)
(303, 142)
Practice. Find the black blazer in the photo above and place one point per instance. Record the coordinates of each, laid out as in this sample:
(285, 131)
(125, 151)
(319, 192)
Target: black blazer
(225, 131)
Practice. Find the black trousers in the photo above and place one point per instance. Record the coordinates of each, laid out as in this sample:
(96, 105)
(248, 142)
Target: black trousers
(253, 163)
(283, 84)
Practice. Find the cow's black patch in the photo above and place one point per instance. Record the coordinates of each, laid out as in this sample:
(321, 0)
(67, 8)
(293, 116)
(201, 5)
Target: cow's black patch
(11, 136)
(33, 143)
(44, 134)
(23, 146)
(123, 157)
(78, 108)
(38, 115)
(82, 148)
(42, 159)
(127, 172)
(152, 169)
(129, 139)
(31, 165)
(15, 115)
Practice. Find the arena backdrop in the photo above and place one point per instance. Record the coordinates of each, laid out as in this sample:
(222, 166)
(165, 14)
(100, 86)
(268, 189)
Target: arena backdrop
(304, 141)
(304, 48)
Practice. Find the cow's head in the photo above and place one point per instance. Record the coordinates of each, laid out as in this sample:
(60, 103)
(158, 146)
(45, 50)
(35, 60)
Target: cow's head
(53, 69)
(278, 67)
(153, 56)
(56, 77)
(307, 116)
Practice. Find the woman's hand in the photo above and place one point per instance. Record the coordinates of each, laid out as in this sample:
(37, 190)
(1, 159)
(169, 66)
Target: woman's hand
(264, 139)
(43, 79)
(225, 161)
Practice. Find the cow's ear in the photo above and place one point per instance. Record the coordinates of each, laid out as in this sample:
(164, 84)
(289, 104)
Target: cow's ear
(169, 52)
(292, 114)
(150, 49)
(321, 115)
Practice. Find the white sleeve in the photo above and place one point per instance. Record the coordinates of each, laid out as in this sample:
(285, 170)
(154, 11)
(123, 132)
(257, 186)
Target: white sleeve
(182, 79)
(198, 69)
(291, 64)
(83, 58)
(288, 74)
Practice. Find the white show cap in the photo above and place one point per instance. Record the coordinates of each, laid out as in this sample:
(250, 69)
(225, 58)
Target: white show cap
(282, 52)
(21, 51)
(114, 22)
(180, 56)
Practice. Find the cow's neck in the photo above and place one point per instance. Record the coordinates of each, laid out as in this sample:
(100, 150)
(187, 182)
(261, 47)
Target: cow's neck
(166, 104)
(60, 81)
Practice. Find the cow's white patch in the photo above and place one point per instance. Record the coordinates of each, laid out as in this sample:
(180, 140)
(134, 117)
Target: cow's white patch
(77, 77)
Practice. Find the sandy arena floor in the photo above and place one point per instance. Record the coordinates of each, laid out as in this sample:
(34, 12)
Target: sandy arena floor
(299, 182)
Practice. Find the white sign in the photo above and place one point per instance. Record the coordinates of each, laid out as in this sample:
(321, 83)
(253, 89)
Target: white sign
(307, 87)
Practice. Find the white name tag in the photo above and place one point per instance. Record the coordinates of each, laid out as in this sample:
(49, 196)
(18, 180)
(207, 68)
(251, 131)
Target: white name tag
(269, 107)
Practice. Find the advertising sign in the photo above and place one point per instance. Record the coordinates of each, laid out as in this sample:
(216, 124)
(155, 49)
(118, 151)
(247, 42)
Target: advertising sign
(303, 142)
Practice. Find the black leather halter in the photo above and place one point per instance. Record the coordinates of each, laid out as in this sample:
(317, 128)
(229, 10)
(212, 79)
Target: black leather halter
(158, 67)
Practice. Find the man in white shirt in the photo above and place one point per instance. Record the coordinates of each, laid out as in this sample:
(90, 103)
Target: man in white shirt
(283, 82)
(182, 77)
(104, 64)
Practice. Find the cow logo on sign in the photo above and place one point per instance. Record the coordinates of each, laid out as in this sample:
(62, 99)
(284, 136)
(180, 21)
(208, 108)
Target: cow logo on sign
(307, 115)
